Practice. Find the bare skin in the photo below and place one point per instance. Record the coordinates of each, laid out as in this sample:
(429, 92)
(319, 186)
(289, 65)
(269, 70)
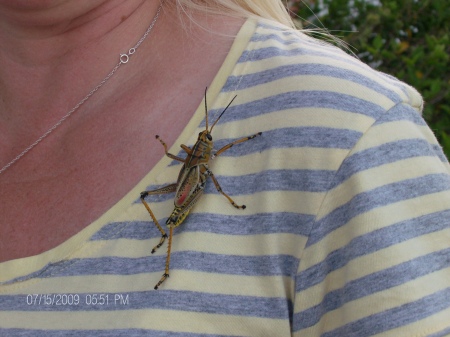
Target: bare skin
(56, 51)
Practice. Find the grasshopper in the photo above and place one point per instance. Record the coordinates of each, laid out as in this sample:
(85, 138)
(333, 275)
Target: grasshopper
(190, 183)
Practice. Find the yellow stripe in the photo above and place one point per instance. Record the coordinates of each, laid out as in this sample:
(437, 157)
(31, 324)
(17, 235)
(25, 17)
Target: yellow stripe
(165, 320)
(280, 159)
(263, 202)
(237, 285)
(394, 131)
(254, 245)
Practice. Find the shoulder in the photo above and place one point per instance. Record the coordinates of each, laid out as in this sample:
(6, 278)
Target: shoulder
(286, 62)
(322, 111)
(304, 93)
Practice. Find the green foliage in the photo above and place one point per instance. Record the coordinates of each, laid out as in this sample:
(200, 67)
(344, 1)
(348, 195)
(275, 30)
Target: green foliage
(409, 39)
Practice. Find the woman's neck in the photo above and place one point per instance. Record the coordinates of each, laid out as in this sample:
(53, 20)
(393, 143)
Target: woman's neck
(60, 27)
(56, 51)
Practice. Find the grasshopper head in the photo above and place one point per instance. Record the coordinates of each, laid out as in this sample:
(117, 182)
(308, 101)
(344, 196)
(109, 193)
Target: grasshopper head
(205, 136)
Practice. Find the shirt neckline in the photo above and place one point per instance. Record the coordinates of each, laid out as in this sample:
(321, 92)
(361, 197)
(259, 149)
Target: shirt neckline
(20, 268)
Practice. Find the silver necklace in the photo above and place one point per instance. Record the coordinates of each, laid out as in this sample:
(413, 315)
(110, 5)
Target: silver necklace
(123, 59)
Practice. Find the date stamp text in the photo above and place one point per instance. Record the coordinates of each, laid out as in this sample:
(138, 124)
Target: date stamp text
(105, 299)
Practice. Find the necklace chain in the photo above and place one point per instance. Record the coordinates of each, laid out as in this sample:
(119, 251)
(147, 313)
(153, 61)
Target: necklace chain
(123, 59)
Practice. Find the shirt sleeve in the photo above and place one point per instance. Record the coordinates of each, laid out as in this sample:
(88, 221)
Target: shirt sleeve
(377, 261)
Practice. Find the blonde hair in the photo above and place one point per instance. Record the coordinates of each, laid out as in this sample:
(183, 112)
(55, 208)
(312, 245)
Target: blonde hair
(273, 10)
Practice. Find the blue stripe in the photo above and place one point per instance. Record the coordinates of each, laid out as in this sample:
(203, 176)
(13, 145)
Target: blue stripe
(131, 230)
(313, 181)
(402, 112)
(392, 80)
(262, 223)
(272, 27)
(381, 196)
(372, 284)
(330, 52)
(285, 71)
(440, 153)
(252, 306)
(384, 154)
(272, 52)
(267, 265)
(269, 180)
(285, 40)
(396, 317)
(300, 100)
(292, 137)
(370, 243)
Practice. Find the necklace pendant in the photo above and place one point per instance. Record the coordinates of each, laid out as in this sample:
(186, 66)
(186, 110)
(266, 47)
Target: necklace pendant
(124, 58)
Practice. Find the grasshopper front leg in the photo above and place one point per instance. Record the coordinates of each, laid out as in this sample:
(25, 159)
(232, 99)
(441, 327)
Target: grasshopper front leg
(168, 154)
(163, 190)
(238, 141)
(220, 151)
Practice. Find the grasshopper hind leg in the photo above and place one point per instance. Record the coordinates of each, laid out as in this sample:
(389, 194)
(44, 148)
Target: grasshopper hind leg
(166, 270)
(163, 190)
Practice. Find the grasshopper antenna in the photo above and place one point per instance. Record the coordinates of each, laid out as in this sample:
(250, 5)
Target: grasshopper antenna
(206, 109)
(222, 113)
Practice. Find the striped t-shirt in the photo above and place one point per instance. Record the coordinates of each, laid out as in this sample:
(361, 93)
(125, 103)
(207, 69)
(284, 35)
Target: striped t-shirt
(346, 230)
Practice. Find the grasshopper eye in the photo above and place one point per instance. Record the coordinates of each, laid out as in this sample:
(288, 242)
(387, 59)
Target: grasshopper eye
(208, 135)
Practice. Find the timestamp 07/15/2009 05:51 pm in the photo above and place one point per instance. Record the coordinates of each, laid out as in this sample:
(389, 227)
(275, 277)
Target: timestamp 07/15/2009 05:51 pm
(95, 299)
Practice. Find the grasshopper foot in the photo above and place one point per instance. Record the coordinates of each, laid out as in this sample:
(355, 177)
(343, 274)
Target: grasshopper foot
(237, 206)
(163, 238)
(163, 278)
